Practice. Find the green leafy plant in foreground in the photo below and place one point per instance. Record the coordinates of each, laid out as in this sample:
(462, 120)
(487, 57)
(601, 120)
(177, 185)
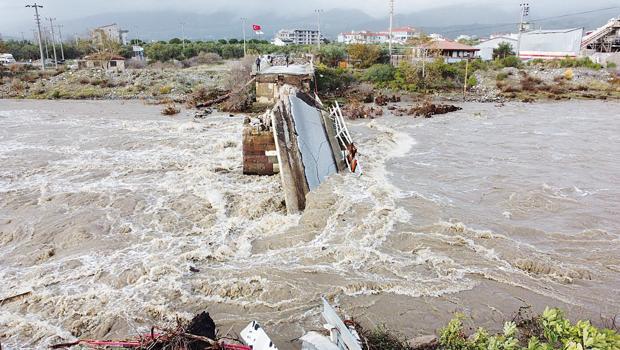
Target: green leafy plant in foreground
(557, 333)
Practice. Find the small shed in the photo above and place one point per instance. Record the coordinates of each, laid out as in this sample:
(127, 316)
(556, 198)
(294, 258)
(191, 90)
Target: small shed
(451, 51)
(102, 61)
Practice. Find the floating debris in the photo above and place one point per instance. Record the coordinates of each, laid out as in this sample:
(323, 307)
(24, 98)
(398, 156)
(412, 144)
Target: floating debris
(199, 334)
(170, 109)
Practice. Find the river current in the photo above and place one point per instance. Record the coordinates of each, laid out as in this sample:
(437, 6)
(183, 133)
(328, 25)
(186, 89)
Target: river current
(105, 206)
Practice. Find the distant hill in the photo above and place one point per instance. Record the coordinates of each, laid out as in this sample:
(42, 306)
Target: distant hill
(471, 20)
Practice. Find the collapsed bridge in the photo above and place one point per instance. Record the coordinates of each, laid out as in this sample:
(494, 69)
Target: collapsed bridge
(297, 138)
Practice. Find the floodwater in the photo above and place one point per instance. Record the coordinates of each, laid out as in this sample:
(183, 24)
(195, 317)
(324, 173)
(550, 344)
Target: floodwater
(105, 206)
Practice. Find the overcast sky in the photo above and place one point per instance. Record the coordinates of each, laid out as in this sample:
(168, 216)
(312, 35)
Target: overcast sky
(13, 15)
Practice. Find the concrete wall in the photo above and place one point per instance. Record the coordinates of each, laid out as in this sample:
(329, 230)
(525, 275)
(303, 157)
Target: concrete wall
(259, 152)
(266, 92)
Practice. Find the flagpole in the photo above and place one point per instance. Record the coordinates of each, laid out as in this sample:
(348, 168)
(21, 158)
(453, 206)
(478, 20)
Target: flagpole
(244, 45)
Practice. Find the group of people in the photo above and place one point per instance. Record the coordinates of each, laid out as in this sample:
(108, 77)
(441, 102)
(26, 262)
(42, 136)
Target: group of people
(270, 58)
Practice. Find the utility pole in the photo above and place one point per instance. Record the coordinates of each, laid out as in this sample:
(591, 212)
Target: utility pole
(77, 39)
(62, 49)
(391, 24)
(243, 19)
(318, 25)
(53, 41)
(38, 20)
(47, 52)
(525, 10)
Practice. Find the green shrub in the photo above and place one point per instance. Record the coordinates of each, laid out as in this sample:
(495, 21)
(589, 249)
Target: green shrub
(611, 65)
(332, 54)
(584, 62)
(555, 332)
(452, 336)
(380, 73)
(332, 80)
(472, 81)
(501, 76)
(510, 61)
(536, 62)
(364, 55)
(407, 77)
(165, 90)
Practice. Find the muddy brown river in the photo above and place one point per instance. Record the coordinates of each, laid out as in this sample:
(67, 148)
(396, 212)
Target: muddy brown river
(105, 206)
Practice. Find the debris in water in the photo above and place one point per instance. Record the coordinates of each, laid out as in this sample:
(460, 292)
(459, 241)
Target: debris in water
(428, 109)
(14, 297)
(341, 336)
(198, 334)
(382, 100)
(356, 110)
(256, 337)
(170, 109)
(202, 113)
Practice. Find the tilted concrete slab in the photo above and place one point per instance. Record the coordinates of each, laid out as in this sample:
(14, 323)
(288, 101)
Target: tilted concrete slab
(293, 69)
(307, 153)
(314, 145)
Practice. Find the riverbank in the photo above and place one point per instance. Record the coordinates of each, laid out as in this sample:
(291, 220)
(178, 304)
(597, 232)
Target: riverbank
(114, 218)
(165, 83)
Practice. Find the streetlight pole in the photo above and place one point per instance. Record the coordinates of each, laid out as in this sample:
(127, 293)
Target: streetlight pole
(318, 25)
(53, 42)
(243, 19)
(391, 24)
(38, 20)
(525, 10)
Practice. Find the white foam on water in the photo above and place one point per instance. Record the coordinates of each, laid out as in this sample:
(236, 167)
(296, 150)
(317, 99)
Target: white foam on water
(114, 223)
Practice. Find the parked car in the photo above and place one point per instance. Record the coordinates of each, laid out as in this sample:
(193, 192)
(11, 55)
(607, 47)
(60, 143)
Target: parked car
(6, 58)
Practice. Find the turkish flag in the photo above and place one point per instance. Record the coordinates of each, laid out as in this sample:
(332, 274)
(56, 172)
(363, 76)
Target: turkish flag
(256, 27)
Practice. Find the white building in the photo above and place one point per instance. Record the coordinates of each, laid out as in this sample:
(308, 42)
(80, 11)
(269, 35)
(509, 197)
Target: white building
(486, 47)
(297, 37)
(112, 32)
(400, 35)
(363, 37)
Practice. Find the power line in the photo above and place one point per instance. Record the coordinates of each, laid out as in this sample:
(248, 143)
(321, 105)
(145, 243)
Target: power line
(544, 19)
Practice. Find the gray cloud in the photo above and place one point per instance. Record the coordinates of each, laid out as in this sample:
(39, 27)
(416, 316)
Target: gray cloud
(14, 17)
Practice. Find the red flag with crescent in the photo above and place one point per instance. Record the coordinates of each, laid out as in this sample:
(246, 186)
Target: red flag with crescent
(256, 27)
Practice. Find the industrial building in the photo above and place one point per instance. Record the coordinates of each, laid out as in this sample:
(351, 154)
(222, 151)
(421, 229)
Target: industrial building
(550, 44)
(604, 39)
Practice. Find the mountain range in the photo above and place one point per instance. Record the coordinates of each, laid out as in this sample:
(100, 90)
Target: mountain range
(449, 21)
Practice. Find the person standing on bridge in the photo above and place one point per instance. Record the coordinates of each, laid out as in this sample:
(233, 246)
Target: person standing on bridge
(258, 64)
(288, 58)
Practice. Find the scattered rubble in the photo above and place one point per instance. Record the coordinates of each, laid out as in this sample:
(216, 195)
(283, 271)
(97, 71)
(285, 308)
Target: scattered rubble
(383, 100)
(357, 110)
(199, 334)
